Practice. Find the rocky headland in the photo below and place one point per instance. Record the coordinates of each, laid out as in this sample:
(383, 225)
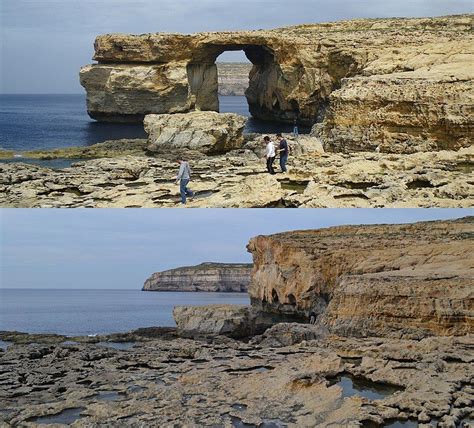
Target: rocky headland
(214, 277)
(398, 85)
(392, 344)
(390, 102)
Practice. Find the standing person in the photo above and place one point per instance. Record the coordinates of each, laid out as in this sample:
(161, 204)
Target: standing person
(295, 129)
(269, 154)
(183, 177)
(283, 150)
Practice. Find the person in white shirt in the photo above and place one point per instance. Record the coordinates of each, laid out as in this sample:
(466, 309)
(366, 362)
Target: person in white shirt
(269, 154)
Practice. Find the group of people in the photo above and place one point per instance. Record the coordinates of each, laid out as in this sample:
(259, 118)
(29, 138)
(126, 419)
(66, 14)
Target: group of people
(271, 151)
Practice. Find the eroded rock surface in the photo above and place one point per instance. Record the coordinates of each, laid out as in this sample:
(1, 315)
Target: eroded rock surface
(402, 85)
(206, 132)
(233, 78)
(408, 280)
(223, 277)
(228, 320)
(222, 382)
(238, 179)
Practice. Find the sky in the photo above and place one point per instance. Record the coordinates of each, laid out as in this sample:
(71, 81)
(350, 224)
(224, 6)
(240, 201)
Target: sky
(45, 42)
(120, 248)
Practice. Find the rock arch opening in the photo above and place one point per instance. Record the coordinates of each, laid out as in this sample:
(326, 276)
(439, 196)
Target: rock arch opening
(264, 97)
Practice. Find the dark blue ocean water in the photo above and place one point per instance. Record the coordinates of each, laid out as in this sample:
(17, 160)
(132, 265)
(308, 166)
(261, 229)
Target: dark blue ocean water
(83, 312)
(33, 122)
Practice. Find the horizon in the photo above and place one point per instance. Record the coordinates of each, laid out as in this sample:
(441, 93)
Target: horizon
(33, 38)
(111, 249)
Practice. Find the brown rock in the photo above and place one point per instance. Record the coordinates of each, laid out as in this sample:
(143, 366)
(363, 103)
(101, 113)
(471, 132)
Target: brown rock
(389, 280)
(401, 85)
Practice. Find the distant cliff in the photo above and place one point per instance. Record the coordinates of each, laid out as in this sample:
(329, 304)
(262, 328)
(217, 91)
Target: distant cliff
(233, 77)
(224, 277)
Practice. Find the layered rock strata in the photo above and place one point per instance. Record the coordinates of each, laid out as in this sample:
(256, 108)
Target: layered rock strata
(238, 180)
(229, 320)
(408, 280)
(233, 78)
(217, 277)
(162, 380)
(206, 132)
(401, 85)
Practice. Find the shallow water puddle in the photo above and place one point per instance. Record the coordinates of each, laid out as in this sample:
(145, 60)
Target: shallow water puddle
(67, 416)
(119, 346)
(4, 344)
(69, 342)
(108, 395)
(296, 186)
(363, 388)
(46, 163)
(203, 194)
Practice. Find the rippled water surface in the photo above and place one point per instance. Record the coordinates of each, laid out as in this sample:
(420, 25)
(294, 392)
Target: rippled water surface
(84, 312)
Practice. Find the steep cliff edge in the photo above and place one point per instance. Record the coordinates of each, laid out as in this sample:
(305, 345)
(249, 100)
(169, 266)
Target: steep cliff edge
(399, 85)
(224, 277)
(233, 78)
(407, 280)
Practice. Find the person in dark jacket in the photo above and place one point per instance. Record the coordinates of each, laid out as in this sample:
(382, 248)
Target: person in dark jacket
(283, 150)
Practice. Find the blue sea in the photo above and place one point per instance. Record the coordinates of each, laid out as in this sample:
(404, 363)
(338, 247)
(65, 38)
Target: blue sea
(36, 122)
(84, 312)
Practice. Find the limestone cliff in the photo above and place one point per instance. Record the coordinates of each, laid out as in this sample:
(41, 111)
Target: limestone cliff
(399, 85)
(223, 277)
(405, 280)
(233, 78)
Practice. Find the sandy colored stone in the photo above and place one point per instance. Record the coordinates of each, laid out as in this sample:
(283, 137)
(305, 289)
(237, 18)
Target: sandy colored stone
(214, 277)
(238, 179)
(399, 85)
(206, 132)
(386, 280)
(169, 381)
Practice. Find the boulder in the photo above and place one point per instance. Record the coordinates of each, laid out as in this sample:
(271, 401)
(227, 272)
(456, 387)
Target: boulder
(207, 132)
(229, 320)
(287, 334)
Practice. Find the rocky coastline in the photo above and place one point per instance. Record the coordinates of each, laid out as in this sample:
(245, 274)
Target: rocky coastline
(126, 173)
(392, 344)
(205, 277)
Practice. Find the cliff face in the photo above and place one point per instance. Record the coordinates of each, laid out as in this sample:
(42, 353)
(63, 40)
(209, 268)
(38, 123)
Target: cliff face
(392, 280)
(398, 84)
(233, 78)
(224, 277)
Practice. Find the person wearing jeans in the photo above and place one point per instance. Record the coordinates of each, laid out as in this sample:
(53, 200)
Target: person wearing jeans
(283, 150)
(269, 154)
(183, 177)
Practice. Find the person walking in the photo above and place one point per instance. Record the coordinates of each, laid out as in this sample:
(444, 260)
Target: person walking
(283, 150)
(183, 177)
(269, 154)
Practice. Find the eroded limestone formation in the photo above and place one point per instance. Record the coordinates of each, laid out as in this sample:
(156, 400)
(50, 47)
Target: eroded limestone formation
(397, 280)
(401, 85)
(207, 132)
(223, 277)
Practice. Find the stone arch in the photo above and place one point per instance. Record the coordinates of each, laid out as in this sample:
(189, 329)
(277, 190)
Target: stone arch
(263, 95)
